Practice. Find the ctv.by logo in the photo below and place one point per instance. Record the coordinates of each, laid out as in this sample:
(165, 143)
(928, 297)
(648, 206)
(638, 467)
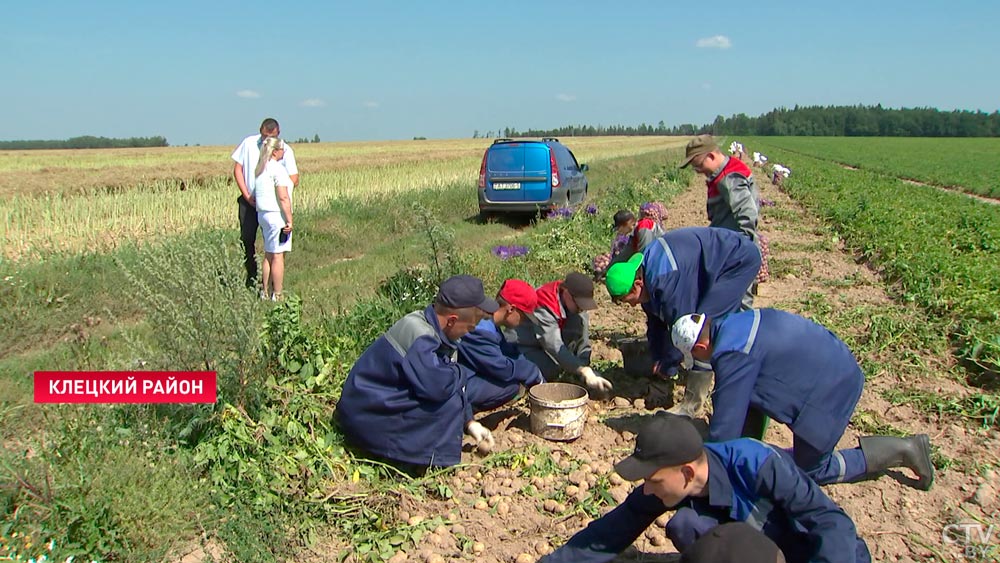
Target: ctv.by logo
(974, 538)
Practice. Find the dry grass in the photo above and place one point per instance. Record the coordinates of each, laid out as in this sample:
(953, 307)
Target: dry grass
(85, 200)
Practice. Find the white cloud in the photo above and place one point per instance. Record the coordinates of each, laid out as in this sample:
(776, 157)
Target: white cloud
(706, 86)
(714, 42)
(313, 103)
(248, 94)
(370, 104)
(566, 97)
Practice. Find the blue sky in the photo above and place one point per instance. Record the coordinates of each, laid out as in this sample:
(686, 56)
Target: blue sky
(208, 72)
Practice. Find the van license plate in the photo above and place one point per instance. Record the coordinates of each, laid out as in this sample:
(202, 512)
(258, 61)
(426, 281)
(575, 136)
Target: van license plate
(506, 185)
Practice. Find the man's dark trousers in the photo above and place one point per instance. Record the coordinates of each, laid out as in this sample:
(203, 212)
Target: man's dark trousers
(248, 234)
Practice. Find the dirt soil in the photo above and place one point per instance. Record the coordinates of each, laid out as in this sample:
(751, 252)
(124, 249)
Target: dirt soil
(497, 515)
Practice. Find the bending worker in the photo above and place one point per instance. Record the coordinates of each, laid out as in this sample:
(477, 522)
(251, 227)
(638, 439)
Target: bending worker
(798, 373)
(685, 270)
(559, 339)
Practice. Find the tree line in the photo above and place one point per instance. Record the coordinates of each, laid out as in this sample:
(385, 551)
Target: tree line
(86, 142)
(830, 121)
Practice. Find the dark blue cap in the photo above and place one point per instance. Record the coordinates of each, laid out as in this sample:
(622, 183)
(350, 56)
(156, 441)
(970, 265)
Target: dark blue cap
(732, 542)
(463, 291)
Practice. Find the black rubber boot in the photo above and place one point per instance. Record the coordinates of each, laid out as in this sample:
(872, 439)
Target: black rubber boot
(887, 452)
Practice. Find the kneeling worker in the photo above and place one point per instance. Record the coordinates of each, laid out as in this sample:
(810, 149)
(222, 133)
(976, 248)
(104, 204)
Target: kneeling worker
(405, 399)
(711, 484)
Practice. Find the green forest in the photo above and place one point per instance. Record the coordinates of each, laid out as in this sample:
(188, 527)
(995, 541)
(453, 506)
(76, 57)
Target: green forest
(807, 121)
(86, 142)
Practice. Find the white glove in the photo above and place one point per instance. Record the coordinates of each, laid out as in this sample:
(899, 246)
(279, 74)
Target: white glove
(594, 381)
(482, 436)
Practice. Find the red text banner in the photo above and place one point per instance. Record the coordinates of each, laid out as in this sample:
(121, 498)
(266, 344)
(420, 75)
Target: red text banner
(125, 387)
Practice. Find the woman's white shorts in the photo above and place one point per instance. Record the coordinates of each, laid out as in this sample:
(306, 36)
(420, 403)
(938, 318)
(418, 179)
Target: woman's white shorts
(271, 223)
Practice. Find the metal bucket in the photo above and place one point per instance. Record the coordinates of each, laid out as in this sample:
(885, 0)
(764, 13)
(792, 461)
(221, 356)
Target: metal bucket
(636, 359)
(558, 410)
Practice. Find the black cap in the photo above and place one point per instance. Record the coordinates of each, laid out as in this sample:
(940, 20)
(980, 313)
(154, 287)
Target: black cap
(668, 440)
(459, 292)
(735, 542)
(581, 288)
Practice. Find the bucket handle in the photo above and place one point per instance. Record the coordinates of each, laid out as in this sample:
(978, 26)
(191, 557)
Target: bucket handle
(565, 424)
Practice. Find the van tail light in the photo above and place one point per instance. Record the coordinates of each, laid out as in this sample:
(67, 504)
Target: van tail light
(554, 168)
(482, 172)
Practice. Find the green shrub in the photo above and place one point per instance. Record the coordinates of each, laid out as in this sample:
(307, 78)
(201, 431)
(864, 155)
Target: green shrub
(200, 316)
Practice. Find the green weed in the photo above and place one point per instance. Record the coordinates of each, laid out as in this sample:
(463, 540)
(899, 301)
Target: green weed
(783, 267)
(981, 408)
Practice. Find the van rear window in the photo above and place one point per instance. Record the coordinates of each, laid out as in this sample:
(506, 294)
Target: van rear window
(518, 157)
(506, 158)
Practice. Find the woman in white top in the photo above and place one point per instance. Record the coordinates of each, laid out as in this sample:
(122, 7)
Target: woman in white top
(272, 192)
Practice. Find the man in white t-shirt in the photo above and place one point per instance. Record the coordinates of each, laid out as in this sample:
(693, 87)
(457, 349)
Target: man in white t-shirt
(245, 158)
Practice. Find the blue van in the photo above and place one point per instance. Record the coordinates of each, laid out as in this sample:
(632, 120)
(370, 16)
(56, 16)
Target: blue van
(529, 176)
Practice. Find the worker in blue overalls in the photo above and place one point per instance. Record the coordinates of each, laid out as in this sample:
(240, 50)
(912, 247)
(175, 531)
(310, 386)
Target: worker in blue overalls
(405, 399)
(798, 373)
(686, 270)
(708, 485)
(499, 371)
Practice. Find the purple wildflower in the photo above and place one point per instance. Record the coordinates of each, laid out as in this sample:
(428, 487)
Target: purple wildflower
(560, 213)
(766, 202)
(506, 252)
(592, 209)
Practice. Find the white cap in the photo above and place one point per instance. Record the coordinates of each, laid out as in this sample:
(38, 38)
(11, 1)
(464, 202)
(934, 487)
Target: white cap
(685, 334)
